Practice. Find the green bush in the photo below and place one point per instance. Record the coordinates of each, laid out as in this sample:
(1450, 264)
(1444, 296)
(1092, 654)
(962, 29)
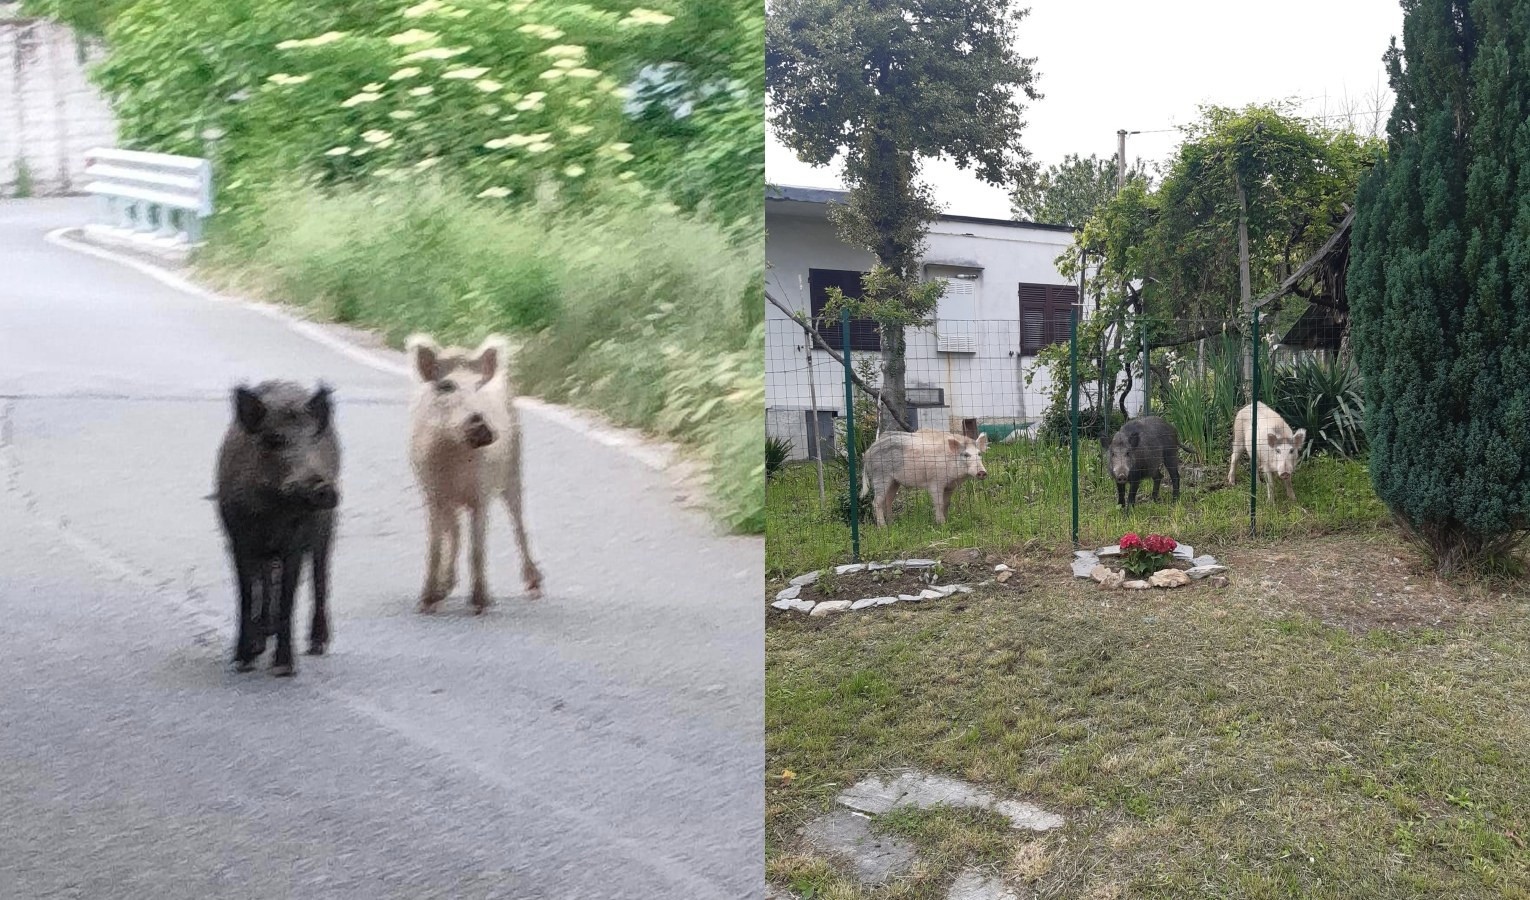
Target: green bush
(1324, 398)
(1441, 317)
(776, 452)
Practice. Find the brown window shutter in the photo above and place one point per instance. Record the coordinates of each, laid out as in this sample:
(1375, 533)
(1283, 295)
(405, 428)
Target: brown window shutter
(1034, 331)
(864, 333)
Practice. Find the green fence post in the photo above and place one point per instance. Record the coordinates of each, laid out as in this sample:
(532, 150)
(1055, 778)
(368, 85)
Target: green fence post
(855, 497)
(1073, 402)
(1253, 427)
(1147, 387)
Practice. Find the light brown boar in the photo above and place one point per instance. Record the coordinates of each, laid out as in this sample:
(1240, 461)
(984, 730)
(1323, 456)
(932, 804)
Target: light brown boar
(935, 461)
(465, 445)
(1279, 449)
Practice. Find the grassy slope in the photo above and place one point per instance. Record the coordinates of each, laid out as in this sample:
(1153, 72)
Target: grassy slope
(641, 314)
(1334, 724)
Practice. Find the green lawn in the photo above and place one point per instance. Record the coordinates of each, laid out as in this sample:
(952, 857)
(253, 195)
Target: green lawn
(1026, 498)
(1335, 723)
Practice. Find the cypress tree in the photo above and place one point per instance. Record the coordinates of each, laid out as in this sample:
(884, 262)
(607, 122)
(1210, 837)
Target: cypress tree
(1439, 282)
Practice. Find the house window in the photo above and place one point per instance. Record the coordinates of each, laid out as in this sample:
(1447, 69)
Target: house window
(863, 332)
(1044, 315)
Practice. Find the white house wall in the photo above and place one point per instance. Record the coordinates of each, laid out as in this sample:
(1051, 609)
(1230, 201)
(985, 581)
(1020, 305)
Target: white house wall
(50, 113)
(987, 385)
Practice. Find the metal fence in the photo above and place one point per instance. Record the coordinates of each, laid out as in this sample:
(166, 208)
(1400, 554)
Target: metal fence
(1045, 396)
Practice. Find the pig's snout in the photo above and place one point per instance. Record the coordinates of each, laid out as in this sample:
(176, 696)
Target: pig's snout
(316, 491)
(980, 473)
(479, 434)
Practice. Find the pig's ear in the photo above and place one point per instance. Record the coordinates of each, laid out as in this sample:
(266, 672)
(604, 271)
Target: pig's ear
(953, 443)
(1301, 435)
(249, 409)
(1104, 442)
(493, 354)
(320, 407)
(424, 357)
(982, 442)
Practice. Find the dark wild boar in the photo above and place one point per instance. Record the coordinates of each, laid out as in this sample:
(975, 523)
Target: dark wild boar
(1143, 448)
(278, 483)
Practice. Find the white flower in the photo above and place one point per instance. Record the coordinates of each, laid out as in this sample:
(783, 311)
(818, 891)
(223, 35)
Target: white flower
(405, 72)
(565, 51)
(565, 63)
(546, 32)
(642, 16)
(411, 37)
(582, 102)
(402, 114)
(539, 147)
(374, 86)
(434, 53)
(574, 171)
(328, 37)
(363, 97)
(487, 85)
(284, 79)
(466, 74)
(495, 193)
(427, 163)
(423, 9)
(579, 130)
(337, 151)
(583, 73)
(552, 74)
(421, 91)
(376, 136)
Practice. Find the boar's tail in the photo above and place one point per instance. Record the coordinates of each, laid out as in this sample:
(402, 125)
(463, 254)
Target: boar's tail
(865, 484)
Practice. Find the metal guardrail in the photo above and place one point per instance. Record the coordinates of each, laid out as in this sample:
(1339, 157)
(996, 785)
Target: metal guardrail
(152, 194)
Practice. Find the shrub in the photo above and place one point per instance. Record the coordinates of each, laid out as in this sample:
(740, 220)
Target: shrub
(1437, 283)
(776, 452)
(1324, 398)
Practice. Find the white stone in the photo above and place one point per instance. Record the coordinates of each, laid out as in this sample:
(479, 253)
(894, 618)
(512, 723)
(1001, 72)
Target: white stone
(908, 597)
(862, 604)
(1207, 560)
(1184, 552)
(789, 593)
(829, 606)
(1136, 584)
(886, 601)
(918, 563)
(1112, 550)
(1169, 578)
(963, 589)
(805, 578)
(945, 590)
(876, 795)
(1113, 580)
(877, 567)
(930, 594)
(1084, 565)
(1099, 573)
(1001, 568)
(974, 885)
(800, 605)
(1200, 572)
(850, 569)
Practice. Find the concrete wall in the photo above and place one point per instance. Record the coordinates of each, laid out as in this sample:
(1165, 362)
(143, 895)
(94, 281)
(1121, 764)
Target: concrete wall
(989, 385)
(50, 113)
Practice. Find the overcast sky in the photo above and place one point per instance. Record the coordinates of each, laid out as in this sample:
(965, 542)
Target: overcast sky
(1146, 66)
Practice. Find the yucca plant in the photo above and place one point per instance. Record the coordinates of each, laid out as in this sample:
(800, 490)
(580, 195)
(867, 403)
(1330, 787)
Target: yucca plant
(776, 451)
(1324, 398)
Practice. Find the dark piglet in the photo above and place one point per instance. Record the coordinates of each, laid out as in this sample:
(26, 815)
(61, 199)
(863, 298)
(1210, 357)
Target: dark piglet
(277, 488)
(1143, 448)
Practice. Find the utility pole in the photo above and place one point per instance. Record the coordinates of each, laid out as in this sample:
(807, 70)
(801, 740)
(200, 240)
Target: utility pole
(1121, 134)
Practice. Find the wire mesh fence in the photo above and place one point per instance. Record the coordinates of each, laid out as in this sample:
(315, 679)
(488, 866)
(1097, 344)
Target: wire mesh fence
(1024, 433)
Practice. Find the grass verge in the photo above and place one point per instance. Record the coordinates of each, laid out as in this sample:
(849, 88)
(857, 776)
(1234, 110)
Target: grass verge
(1336, 723)
(650, 317)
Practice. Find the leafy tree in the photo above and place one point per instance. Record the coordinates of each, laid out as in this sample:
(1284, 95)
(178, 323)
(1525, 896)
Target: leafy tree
(1164, 260)
(889, 84)
(89, 17)
(1069, 193)
(1439, 282)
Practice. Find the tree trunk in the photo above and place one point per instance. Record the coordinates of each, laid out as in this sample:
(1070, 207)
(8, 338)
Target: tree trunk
(894, 368)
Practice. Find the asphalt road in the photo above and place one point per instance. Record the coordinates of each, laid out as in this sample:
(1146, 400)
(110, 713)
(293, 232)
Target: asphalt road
(604, 741)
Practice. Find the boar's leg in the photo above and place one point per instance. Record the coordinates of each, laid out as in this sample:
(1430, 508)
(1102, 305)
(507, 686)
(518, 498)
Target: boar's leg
(1171, 462)
(318, 628)
(1157, 482)
(436, 527)
(292, 570)
(246, 570)
(1131, 493)
(1120, 495)
(531, 576)
(945, 500)
(938, 499)
(451, 548)
(478, 521)
(1290, 494)
(882, 494)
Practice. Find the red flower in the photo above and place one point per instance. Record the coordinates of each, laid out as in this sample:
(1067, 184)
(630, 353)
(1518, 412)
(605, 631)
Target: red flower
(1131, 542)
(1157, 543)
